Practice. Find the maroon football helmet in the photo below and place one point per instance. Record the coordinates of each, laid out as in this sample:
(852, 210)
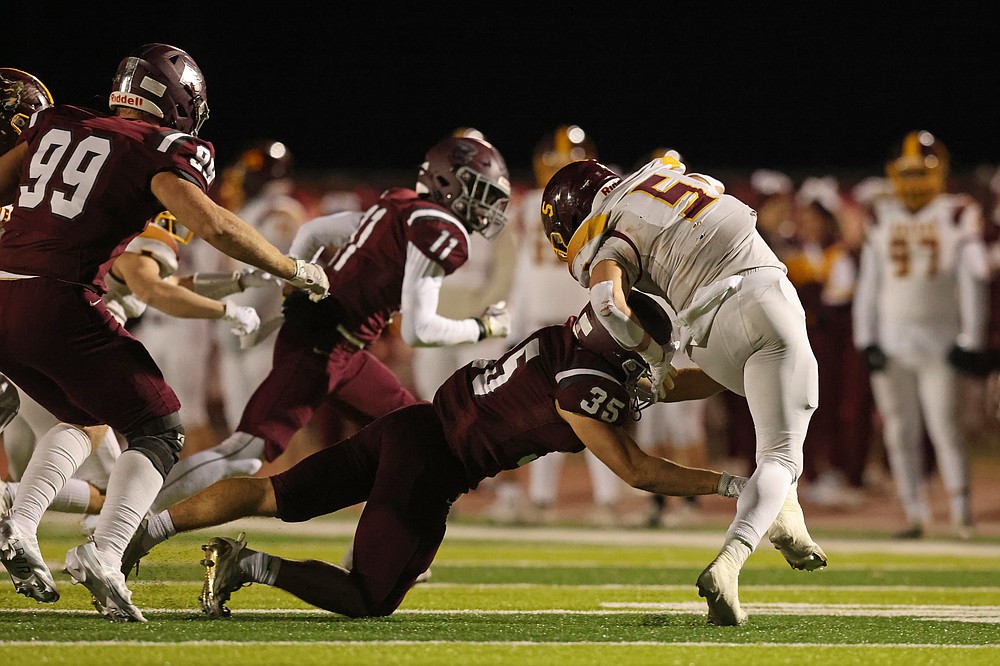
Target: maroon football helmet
(164, 81)
(569, 198)
(469, 177)
(594, 337)
(21, 94)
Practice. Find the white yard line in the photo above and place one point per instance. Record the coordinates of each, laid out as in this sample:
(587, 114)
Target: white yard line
(590, 536)
(955, 613)
(533, 644)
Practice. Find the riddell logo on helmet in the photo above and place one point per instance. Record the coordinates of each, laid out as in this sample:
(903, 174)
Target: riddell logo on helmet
(607, 187)
(125, 99)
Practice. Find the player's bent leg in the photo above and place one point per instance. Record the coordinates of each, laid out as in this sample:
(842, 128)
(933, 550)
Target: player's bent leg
(240, 454)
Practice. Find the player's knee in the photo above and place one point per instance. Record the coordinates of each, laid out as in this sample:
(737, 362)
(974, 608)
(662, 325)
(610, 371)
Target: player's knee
(160, 440)
(788, 457)
(96, 434)
(10, 402)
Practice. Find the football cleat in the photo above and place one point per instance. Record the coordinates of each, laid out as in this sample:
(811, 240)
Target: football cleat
(223, 575)
(23, 561)
(111, 597)
(719, 585)
(789, 535)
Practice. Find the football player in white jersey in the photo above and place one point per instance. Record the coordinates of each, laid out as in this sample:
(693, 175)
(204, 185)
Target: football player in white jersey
(680, 237)
(920, 315)
(143, 275)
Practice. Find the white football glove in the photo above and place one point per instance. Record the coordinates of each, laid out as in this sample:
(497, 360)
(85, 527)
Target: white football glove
(495, 322)
(731, 486)
(251, 278)
(242, 320)
(312, 278)
(661, 372)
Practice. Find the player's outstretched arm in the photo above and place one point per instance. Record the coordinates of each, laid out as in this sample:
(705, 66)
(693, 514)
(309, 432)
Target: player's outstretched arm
(142, 275)
(231, 235)
(616, 449)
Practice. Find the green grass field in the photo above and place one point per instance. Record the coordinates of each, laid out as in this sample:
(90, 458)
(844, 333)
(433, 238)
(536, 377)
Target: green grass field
(536, 596)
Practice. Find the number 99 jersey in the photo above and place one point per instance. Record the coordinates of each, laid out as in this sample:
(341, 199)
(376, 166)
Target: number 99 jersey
(85, 190)
(500, 414)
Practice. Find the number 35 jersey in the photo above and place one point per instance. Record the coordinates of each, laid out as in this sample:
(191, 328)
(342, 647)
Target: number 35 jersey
(84, 190)
(912, 295)
(672, 233)
(500, 414)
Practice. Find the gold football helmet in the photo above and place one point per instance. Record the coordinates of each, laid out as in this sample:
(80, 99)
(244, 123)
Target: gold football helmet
(569, 143)
(918, 171)
(165, 221)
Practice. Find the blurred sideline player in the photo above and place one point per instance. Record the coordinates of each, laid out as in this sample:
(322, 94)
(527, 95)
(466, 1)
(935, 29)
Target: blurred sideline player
(388, 261)
(543, 294)
(920, 317)
(563, 388)
(258, 189)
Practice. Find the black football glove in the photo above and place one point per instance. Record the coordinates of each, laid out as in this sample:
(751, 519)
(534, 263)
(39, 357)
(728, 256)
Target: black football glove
(875, 358)
(969, 362)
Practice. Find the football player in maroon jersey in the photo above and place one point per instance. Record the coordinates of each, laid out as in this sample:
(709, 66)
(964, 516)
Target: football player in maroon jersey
(563, 388)
(389, 260)
(83, 184)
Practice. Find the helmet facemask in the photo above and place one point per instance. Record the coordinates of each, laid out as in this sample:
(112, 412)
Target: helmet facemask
(482, 202)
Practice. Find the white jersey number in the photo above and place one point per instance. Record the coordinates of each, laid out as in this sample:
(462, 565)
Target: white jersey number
(79, 172)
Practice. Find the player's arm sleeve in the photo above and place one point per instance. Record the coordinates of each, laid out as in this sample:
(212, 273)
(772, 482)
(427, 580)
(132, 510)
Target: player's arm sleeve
(328, 231)
(973, 295)
(422, 326)
(865, 309)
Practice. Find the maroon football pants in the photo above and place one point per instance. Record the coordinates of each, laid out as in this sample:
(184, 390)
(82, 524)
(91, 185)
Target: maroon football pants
(308, 370)
(60, 345)
(402, 467)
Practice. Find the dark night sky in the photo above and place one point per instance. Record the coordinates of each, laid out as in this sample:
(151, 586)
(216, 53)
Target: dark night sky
(798, 86)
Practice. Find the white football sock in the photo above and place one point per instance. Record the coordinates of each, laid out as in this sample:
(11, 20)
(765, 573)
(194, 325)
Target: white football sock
(759, 503)
(58, 454)
(73, 497)
(261, 567)
(160, 527)
(238, 455)
(132, 487)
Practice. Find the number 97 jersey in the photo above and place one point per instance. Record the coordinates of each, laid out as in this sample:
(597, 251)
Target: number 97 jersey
(84, 190)
(500, 414)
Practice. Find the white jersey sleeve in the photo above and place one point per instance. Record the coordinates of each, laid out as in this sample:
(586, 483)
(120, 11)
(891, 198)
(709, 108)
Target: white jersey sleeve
(328, 231)
(422, 326)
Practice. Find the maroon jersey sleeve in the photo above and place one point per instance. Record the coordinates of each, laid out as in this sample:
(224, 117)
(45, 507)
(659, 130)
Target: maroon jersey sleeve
(589, 391)
(440, 236)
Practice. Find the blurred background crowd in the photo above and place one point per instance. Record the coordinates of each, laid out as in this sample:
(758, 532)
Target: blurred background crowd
(815, 222)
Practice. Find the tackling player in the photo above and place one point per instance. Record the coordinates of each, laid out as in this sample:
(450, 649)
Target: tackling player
(562, 389)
